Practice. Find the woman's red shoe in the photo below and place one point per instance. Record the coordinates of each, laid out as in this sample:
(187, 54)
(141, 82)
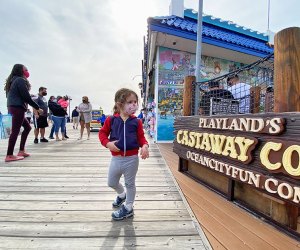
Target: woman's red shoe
(9, 158)
(23, 153)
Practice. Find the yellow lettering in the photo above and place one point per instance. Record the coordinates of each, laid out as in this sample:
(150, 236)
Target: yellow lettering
(245, 124)
(254, 179)
(192, 156)
(185, 139)
(217, 142)
(275, 128)
(257, 125)
(244, 145)
(234, 125)
(198, 136)
(219, 121)
(225, 120)
(229, 148)
(289, 189)
(296, 195)
(267, 185)
(178, 139)
(287, 160)
(205, 143)
(264, 155)
(201, 121)
(212, 124)
(192, 140)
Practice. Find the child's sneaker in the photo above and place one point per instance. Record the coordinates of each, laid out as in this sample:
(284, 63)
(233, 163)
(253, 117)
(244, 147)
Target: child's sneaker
(122, 213)
(119, 201)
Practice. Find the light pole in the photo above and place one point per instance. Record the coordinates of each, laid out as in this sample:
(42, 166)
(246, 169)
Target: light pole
(198, 52)
(70, 99)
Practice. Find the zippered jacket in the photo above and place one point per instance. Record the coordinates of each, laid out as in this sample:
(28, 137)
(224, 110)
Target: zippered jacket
(129, 134)
(18, 95)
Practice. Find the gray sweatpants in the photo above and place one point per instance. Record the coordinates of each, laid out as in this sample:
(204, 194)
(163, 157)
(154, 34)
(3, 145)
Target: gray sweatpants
(127, 166)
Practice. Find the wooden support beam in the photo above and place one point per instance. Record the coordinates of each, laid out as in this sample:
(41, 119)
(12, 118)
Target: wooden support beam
(187, 95)
(287, 85)
(255, 99)
(187, 110)
(287, 70)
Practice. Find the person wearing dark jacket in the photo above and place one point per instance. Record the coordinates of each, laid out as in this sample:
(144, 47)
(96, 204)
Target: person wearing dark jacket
(103, 118)
(58, 117)
(75, 118)
(17, 89)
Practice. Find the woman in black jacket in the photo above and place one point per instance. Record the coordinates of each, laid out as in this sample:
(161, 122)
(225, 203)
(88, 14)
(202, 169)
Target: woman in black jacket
(58, 117)
(17, 93)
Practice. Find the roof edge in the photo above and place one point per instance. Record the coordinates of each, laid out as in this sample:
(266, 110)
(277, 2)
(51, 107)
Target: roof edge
(229, 25)
(208, 40)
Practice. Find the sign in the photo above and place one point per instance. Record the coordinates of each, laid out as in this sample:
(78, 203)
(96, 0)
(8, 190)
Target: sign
(96, 119)
(260, 150)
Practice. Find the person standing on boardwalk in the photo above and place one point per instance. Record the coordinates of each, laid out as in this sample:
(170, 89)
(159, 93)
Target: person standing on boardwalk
(85, 116)
(102, 120)
(75, 118)
(40, 121)
(17, 89)
(123, 135)
(63, 102)
(58, 117)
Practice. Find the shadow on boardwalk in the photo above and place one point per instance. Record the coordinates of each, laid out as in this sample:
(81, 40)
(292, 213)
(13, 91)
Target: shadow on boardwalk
(58, 198)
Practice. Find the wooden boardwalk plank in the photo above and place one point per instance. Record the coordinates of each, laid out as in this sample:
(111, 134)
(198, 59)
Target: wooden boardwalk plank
(80, 189)
(85, 197)
(83, 205)
(97, 229)
(103, 243)
(82, 184)
(58, 199)
(90, 215)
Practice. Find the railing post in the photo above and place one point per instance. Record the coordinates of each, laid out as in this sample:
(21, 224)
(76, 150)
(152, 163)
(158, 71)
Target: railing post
(187, 95)
(255, 99)
(187, 110)
(287, 84)
(286, 70)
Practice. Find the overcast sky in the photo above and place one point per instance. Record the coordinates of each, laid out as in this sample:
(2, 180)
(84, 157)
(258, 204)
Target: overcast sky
(94, 47)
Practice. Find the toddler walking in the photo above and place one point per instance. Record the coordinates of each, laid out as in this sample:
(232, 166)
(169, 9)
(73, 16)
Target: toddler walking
(123, 135)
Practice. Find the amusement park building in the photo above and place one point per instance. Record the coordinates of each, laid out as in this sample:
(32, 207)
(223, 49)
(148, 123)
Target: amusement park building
(169, 56)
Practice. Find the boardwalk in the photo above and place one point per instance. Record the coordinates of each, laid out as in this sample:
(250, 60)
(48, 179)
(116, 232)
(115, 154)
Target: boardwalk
(226, 225)
(58, 199)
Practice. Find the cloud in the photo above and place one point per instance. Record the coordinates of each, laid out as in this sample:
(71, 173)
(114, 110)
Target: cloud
(94, 47)
(74, 48)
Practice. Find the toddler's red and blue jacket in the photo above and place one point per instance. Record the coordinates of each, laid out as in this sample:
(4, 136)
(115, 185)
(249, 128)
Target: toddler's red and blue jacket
(128, 135)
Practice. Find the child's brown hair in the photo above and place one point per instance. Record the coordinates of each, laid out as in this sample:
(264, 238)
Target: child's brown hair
(120, 98)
